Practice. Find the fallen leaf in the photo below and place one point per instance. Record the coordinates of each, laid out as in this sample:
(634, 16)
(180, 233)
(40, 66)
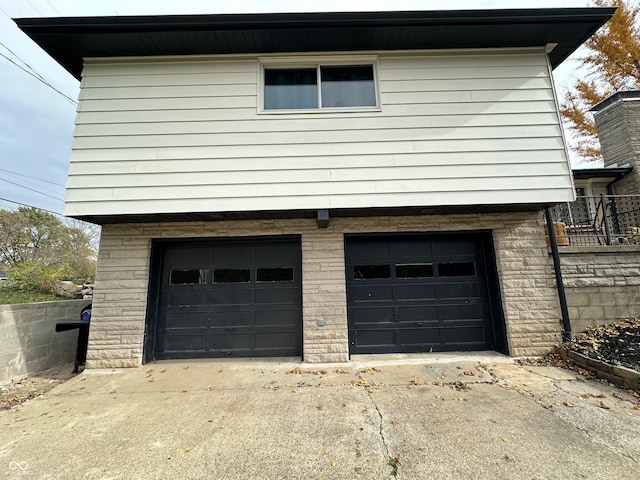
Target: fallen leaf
(320, 407)
(504, 439)
(568, 404)
(333, 463)
(636, 407)
(602, 395)
(601, 404)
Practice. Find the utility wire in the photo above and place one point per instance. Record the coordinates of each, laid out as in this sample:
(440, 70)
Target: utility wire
(29, 176)
(30, 206)
(37, 77)
(34, 184)
(32, 189)
(54, 8)
(25, 63)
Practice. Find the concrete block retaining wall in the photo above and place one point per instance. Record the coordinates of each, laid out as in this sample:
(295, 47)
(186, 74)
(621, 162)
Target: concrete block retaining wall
(602, 284)
(28, 340)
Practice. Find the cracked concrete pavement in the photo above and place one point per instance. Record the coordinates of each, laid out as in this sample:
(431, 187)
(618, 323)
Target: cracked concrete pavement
(442, 416)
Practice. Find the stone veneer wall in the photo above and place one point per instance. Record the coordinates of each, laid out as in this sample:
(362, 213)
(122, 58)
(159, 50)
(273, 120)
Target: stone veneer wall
(602, 284)
(526, 279)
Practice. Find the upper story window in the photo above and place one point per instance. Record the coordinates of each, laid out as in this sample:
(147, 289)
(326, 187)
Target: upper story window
(319, 87)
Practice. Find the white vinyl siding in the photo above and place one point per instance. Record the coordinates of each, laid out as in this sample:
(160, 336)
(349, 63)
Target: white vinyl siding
(170, 136)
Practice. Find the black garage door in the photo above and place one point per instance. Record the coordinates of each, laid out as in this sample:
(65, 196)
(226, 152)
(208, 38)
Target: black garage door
(230, 298)
(421, 293)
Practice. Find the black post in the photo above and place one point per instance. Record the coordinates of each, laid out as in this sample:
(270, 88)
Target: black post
(567, 334)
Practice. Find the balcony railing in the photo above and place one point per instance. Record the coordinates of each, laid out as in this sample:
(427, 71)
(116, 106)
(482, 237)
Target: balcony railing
(598, 220)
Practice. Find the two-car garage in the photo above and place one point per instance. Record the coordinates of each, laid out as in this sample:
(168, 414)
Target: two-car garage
(242, 297)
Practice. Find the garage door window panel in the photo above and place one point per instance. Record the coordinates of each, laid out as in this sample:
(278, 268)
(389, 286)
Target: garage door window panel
(232, 275)
(457, 269)
(278, 274)
(188, 277)
(416, 270)
(371, 272)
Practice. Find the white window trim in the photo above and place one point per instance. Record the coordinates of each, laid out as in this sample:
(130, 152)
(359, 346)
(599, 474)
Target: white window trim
(317, 62)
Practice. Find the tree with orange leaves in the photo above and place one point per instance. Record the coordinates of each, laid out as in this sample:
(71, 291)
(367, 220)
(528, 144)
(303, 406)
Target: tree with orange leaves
(612, 64)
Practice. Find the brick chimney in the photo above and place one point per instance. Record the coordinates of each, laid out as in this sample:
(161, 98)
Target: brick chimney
(618, 125)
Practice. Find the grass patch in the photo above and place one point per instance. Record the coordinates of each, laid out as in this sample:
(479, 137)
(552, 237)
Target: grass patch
(11, 296)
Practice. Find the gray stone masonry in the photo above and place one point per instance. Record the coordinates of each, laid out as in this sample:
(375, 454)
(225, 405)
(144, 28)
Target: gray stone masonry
(526, 279)
(28, 340)
(618, 127)
(602, 284)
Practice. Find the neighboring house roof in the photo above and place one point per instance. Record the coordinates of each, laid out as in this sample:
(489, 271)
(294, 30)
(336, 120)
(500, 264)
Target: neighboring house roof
(70, 39)
(624, 96)
(605, 173)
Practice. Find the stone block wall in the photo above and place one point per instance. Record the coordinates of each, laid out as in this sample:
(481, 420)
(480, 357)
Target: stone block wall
(602, 284)
(618, 123)
(525, 270)
(28, 340)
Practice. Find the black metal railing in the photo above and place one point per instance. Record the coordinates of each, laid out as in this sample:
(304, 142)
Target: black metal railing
(598, 220)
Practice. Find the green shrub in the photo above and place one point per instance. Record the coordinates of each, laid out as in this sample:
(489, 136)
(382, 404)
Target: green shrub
(37, 278)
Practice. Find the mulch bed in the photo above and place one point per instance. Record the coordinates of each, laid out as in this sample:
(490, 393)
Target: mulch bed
(617, 343)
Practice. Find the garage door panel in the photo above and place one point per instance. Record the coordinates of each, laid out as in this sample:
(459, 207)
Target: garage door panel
(231, 319)
(288, 296)
(188, 257)
(370, 250)
(419, 336)
(454, 247)
(414, 292)
(375, 338)
(463, 313)
(220, 298)
(277, 318)
(461, 335)
(459, 290)
(418, 313)
(372, 316)
(233, 254)
(177, 298)
(186, 320)
(229, 342)
(411, 249)
(370, 293)
(186, 343)
(275, 254)
(275, 341)
(232, 297)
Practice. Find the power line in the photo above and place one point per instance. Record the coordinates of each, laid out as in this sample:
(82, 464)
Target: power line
(54, 190)
(29, 176)
(37, 77)
(25, 63)
(54, 8)
(32, 189)
(30, 206)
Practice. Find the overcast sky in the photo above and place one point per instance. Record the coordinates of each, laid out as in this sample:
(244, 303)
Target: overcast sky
(36, 121)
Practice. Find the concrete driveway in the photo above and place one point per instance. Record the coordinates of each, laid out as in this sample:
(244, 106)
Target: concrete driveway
(431, 416)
